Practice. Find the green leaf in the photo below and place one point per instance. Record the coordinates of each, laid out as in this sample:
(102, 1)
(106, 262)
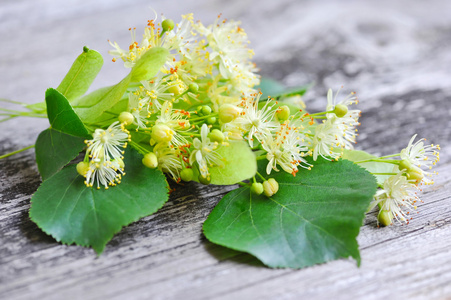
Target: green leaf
(61, 143)
(79, 78)
(149, 64)
(373, 167)
(55, 149)
(81, 75)
(66, 209)
(315, 217)
(239, 164)
(91, 107)
(61, 115)
(270, 87)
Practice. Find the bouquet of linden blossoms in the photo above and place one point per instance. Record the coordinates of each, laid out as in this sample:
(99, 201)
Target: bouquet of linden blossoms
(193, 108)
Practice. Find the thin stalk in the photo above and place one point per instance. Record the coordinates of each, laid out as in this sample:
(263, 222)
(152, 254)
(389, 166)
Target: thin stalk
(261, 157)
(261, 177)
(320, 113)
(204, 117)
(12, 101)
(388, 161)
(383, 173)
(138, 147)
(15, 152)
(243, 184)
(388, 156)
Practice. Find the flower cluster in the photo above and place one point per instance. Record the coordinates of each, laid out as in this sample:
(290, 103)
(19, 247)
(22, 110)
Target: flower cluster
(398, 197)
(205, 96)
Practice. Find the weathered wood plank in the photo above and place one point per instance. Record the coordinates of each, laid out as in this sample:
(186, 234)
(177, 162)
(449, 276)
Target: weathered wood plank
(397, 55)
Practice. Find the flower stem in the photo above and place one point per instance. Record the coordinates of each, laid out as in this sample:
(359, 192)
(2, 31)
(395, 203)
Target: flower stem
(17, 151)
(388, 161)
(138, 147)
(243, 184)
(383, 173)
(388, 156)
(261, 157)
(260, 175)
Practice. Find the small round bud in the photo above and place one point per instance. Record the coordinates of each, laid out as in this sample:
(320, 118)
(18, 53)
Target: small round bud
(405, 165)
(206, 110)
(340, 110)
(175, 89)
(204, 180)
(162, 133)
(85, 49)
(193, 87)
(150, 160)
(385, 217)
(211, 120)
(82, 168)
(126, 118)
(415, 174)
(257, 188)
(283, 113)
(216, 135)
(228, 112)
(187, 174)
(270, 187)
(167, 25)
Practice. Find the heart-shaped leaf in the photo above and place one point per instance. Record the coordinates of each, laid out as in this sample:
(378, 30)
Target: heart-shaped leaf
(66, 209)
(58, 145)
(315, 216)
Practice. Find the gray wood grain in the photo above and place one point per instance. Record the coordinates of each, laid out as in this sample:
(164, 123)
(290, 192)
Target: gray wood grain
(396, 55)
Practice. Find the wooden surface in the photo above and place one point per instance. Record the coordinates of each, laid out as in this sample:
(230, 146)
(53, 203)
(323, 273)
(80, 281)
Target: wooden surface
(395, 54)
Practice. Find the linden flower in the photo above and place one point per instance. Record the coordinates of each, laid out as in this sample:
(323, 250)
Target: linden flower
(135, 50)
(287, 149)
(398, 197)
(154, 92)
(107, 144)
(345, 119)
(103, 172)
(168, 123)
(168, 160)
(327, 140)
(135, 106)
(204, 153)
(256, 122)
(183, 38)
(420, 155)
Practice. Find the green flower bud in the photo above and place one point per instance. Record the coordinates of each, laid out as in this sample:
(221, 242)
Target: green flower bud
(270, 187)
(199, 110)
(216, 135)
(405, 165)
(211, 120)
(167, 25)
(162, 133)
(126, 118)
(340, 110)
(82, 168)
(175, 89)
(385, 217)
(85, 49)
(283, 113)
(415, 174)
(206, 110)
(193, 87)
(228, 112)
(150, 160)
(204, 180)
(187, 174)
(257, 188)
